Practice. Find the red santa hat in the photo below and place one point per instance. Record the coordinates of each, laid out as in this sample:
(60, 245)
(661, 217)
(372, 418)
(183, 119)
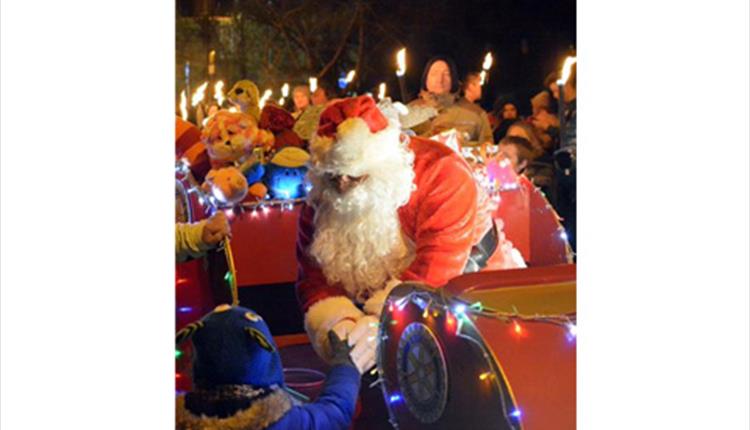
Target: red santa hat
(353, 137)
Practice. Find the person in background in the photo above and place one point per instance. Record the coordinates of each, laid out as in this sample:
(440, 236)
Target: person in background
(505, 113)
(540, 168)
(509, 112)
(439, 84)
(565, 162)
(550, 84)
(440, 87)
(320, 96)
(472, 92)
(528, 132)
(518, 151)
(541, 102)
(192, 240)
(471, 89)
(544, 120)
(301, 98)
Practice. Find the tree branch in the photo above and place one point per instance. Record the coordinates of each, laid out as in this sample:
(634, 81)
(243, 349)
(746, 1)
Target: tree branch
(341, 46)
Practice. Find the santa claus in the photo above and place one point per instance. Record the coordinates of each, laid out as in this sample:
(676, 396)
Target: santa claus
(384, 208)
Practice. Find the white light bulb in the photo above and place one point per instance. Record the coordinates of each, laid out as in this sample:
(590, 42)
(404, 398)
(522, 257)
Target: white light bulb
(572, 329)
(459, 309)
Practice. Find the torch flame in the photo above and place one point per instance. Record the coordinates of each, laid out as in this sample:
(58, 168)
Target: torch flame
(482, 77)
(183, 105)
(313, 84)
(199, 94)
(219, 92)
(281, 101)
(381, 91)
(350, 76)
(285, 90)
(401, 61)
(266, 96)
(487, 61)
(566, 70)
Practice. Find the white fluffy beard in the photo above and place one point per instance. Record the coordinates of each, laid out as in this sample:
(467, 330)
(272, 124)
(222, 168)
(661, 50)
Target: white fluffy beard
(358, 240)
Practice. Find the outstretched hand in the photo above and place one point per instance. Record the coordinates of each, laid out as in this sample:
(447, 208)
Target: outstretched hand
(340, 351)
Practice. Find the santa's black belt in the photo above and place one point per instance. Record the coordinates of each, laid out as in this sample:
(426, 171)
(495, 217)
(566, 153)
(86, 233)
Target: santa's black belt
(482, 251)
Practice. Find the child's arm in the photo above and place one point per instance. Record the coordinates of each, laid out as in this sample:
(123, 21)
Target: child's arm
(187, 241)
(192, 240)
(334, 408)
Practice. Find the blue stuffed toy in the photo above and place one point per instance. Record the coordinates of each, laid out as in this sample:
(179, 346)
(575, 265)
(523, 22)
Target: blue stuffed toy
(285, 174)
(239, 382)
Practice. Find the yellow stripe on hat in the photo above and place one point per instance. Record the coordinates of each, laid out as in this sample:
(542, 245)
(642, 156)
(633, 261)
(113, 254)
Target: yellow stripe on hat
(290, 157)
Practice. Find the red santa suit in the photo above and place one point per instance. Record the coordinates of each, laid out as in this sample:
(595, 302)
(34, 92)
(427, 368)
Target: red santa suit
(441, 221)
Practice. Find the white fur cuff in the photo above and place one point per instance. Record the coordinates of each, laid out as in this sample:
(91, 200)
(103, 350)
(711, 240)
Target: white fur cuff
(322, 316)
(374, 305)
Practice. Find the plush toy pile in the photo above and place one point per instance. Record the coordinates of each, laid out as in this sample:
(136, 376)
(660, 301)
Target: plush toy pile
(254, 154)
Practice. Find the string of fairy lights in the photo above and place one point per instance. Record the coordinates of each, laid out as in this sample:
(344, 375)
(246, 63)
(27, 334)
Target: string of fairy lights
(211, 204)
(459, 313)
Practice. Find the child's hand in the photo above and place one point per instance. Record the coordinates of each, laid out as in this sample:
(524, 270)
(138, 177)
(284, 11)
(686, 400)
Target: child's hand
(216, 229)
(339, 351)
(364, 340)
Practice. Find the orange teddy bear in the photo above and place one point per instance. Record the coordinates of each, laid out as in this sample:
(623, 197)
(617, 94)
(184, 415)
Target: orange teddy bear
(230, 139)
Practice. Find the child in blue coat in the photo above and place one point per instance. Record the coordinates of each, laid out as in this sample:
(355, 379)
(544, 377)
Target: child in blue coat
(239, 384)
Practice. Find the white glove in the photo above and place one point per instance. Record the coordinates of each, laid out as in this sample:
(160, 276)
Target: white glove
(364, 340)
(374, 305)
(343, 328)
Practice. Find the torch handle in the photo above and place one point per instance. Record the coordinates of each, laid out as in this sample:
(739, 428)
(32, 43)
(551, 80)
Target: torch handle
(402, 88)
(561, 107)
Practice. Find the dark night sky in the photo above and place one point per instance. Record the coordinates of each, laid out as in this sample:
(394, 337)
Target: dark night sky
(464, 30)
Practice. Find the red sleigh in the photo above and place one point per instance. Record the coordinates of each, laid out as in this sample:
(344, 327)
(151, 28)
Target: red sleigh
(506, 378)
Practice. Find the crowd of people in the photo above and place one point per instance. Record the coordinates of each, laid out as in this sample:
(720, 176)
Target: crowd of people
(538, 145)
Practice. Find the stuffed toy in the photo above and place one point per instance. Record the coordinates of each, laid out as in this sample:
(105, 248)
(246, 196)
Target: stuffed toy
(254, 175)
(227, 184)
(238, 379)
(246, 97)
(280, 123)
(231, 139)
(285, 174)
(307, 123)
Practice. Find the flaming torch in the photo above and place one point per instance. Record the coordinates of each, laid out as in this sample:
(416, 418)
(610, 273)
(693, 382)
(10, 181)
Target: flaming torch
(565, 74)
(349, 78)
(212, 63)
(285, 90)
(183, 106)
(400, 72)
(486, 64)
(381, 91)
(198, 96)
(266, 95)
(219, 93)
(313, 84)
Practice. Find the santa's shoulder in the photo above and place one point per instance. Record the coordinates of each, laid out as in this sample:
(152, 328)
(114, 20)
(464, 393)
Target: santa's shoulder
(433, 155)
(428, 149)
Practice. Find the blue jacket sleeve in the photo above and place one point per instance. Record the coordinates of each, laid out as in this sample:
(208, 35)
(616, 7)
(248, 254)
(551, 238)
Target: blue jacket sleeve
(333, 409)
